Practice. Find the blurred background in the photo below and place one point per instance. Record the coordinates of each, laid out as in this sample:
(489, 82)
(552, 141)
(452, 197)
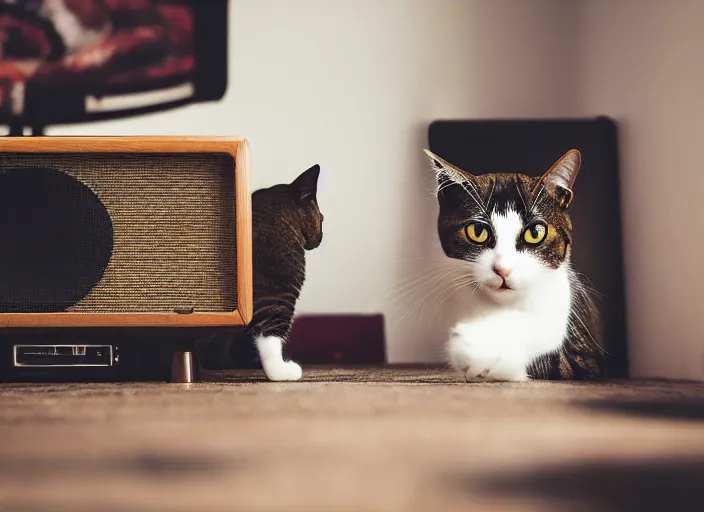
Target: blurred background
(354, 85)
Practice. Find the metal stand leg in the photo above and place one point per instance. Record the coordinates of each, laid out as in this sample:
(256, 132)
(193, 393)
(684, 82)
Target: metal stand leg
(16, 130)
(182, 367)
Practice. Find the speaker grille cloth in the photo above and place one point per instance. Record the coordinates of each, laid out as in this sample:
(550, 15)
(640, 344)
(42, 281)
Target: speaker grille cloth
(173, 220)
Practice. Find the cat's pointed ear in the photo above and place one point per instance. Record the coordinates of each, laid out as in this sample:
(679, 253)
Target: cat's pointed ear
(306, 185)
(445, 173)
(559, 179)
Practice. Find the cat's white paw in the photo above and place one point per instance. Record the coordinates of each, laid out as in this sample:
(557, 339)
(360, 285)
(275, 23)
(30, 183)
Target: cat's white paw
(483, 359)
(283, 371)
(497, 373)
(275, 367)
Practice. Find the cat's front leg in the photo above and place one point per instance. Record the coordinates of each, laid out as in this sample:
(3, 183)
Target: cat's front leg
(271, 356)
(481, 354)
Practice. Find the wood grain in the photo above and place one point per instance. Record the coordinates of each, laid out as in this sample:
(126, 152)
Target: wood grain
(237, 147)
(120, 319)
(151, 144)
(245, 289)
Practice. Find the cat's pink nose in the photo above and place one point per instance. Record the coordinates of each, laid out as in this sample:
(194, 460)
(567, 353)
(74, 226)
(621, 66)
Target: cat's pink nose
(502, 271)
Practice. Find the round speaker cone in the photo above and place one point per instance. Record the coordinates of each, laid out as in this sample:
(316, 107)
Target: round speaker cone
(56, 240)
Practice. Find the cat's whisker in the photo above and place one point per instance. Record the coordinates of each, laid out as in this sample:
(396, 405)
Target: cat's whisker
(442, 187)
(584, 329)
(475, 196)
(488, 198)
(421, 303)
(414, 283)
(451, 288)
(455, 178)
(585, 284)
(535, 201)
(464, 283)
(435, 193)
(408, 283)
(407, 296)
(520, 195)
(431, 296)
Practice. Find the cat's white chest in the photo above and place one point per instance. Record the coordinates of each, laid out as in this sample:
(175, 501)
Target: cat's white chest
(498, 342)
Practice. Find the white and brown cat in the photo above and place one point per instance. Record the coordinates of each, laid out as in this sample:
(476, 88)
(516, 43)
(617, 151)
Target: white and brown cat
(529, 314)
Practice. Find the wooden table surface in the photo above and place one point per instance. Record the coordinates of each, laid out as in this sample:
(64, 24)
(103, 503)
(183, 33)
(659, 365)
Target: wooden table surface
(373, 439)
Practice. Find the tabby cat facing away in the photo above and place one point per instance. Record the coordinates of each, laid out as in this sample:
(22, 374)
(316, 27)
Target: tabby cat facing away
(286, 222)
(531, 314)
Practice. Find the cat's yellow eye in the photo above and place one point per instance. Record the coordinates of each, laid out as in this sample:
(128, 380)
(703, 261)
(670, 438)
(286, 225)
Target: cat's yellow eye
(477, 233)
(535, 234)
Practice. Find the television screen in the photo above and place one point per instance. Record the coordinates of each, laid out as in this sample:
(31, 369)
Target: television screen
(69, 61)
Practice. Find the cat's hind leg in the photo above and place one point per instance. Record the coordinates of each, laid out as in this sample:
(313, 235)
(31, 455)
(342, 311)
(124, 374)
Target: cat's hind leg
(271, 357)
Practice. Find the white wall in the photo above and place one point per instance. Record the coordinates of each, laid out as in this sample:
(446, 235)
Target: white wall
(642, 62)
(352, 85)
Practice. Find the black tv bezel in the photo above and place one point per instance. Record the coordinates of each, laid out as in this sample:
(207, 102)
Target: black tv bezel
(46, 105)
